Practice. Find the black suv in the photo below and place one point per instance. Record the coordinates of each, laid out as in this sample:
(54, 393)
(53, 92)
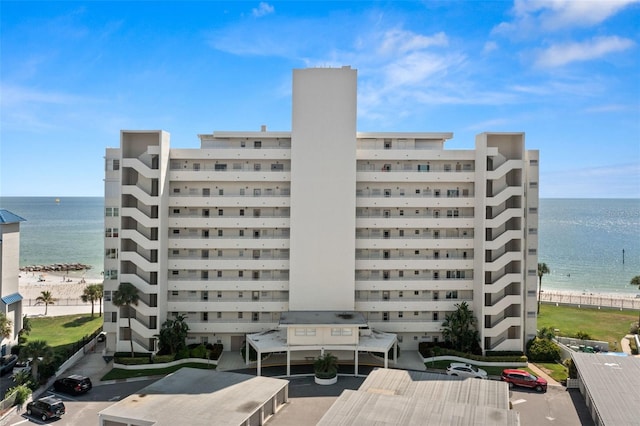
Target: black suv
(6, 363)
(73, 384)
(46, 408)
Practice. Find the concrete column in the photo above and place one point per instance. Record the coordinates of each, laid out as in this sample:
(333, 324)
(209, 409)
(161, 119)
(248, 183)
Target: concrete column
(356, 363)
(259, 363)
(288, 362)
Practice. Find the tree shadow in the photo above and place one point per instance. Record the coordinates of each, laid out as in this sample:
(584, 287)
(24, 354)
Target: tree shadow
(77, 322)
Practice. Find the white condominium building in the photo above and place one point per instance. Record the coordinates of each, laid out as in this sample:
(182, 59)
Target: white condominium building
(390, 226)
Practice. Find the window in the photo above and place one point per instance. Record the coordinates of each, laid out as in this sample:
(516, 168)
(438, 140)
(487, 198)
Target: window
(205, 316)
(277, 167)
(111, 232)
(257, 167)
(175, 272)
(108, 211)
(107, 296)
(204, 295)
(175, 293)
(116, 164)
(257, 144)
(111, 274)
(453, 294)
(220, 212)
(241, 212)
(533, 162)
(220, 233)
(220, 167)
(240, 315)
(111, 253)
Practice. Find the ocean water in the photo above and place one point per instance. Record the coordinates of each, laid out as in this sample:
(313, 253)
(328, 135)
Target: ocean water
(581, 240)
(68, 231)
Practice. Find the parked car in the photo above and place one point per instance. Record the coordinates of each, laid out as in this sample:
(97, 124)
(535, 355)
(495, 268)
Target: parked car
(466, 370)
(7, 363)
(46, 408)
(22, 366)
(102, 336)
(74, 384)
(524, 379)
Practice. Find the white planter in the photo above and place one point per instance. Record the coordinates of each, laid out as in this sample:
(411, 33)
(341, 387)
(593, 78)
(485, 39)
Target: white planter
(331, 381)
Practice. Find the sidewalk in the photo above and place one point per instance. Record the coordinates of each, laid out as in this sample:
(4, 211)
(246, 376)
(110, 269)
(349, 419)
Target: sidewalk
(540, 373)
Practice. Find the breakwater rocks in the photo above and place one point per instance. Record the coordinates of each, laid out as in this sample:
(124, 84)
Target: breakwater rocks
(56, 267)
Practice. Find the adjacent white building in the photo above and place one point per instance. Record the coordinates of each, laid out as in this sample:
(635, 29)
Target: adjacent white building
(10, 298)
(389, 225)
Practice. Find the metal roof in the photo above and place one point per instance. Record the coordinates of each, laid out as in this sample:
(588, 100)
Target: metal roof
(612, 384)
(7, 217)
(196, 397)
(391, 397)
(322, 318)
(11, 298)
(434, 386)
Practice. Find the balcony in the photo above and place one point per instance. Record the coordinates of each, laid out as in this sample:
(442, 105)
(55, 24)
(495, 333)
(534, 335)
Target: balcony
(231, 200)
(230, 305)
(412, 283)
(229, 284)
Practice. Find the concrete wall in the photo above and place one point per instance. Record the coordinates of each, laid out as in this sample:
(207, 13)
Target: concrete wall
(323, 181)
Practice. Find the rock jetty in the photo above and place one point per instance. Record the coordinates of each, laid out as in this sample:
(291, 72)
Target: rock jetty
(56, 267)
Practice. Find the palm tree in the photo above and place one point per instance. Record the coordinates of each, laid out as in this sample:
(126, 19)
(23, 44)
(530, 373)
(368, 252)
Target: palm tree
(173, 334)
(100, 294)
(459, 328)
(91, 294)
(542, 270)
(47, 298)
(326, 366)
(6, 326)
(636, 281)
(39, 351)
(127, 295)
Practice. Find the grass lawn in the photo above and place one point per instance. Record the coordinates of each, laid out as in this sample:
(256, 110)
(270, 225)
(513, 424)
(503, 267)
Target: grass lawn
(64, 330)
(556, 371)
(118, 373)
(607, 325)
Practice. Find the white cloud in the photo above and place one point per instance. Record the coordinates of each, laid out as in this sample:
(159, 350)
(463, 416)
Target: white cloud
(401, 41)
(563, 54)
(535, 16)
(262, 10)
(490, 46)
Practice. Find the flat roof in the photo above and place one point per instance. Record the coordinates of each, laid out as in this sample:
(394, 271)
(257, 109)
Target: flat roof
(196, 397)
(417, 398)
(612, 383)
(276, 341)
(320, 318)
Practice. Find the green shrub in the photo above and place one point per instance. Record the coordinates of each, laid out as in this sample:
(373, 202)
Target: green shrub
(215, 350)
(198, 352)
(573, 371)
(133, 361)
(182, 353)
(582, 335)
(22, 393)
(542, 350)
(160, 359)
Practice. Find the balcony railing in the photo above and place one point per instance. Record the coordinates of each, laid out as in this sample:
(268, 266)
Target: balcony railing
(414, 169)
(412, 257)
(228, 300)
(429, 215)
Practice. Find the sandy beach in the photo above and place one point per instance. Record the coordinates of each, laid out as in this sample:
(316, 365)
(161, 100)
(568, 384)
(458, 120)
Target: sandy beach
(61, 285)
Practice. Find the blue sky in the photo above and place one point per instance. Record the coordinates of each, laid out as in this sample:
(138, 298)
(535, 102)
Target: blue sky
(567, 73)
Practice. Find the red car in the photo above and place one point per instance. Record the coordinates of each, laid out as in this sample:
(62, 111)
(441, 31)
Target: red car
(524, 379)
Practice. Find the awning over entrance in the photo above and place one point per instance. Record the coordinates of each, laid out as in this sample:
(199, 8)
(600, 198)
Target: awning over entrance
(321, 331)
